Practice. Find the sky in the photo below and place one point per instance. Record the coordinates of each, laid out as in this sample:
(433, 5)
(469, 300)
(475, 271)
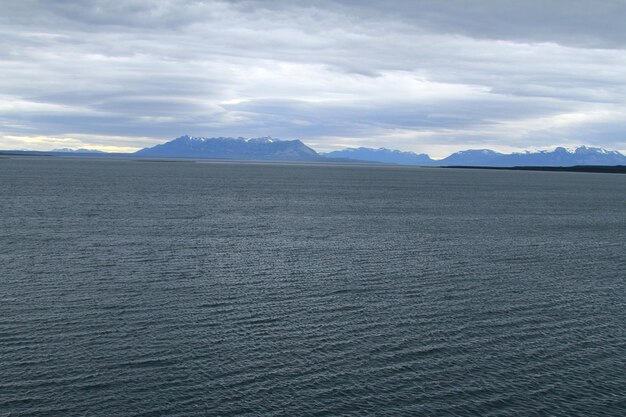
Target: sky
(415, 75)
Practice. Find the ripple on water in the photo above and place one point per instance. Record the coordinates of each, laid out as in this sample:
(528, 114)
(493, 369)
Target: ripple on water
(242, 289)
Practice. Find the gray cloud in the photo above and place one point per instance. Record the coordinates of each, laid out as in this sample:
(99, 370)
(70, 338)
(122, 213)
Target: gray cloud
(567, 22)
(426, 75)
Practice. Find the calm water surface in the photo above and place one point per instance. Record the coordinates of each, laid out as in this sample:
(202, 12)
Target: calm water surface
(237, 289)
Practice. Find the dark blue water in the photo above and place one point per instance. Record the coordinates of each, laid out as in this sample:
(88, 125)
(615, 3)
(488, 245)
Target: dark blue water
(188, 289)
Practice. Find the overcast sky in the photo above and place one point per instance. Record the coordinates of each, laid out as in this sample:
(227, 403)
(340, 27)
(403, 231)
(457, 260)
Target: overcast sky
(427, 76)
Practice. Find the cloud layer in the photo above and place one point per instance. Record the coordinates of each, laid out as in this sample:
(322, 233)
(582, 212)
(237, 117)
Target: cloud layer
(427, 76)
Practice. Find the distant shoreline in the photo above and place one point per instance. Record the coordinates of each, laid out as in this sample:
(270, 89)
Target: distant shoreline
(606, 169)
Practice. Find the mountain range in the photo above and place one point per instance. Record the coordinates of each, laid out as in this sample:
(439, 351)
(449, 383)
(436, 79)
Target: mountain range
(267, 148)
(582, 155)
(271, 149)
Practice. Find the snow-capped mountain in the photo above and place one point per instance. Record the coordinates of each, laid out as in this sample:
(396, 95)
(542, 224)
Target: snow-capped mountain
(264, 148)
(582, 155)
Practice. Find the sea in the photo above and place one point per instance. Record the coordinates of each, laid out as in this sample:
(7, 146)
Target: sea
(191, 288)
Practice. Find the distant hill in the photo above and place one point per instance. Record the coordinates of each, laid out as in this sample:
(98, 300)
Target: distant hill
(383, 155)
(265, 148)
(582, 155)
(81, 150)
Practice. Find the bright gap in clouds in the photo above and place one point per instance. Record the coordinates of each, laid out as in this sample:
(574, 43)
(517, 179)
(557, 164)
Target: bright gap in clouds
(422, 76)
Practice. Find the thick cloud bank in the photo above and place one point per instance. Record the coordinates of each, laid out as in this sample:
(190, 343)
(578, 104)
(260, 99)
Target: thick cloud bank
(424, 76)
